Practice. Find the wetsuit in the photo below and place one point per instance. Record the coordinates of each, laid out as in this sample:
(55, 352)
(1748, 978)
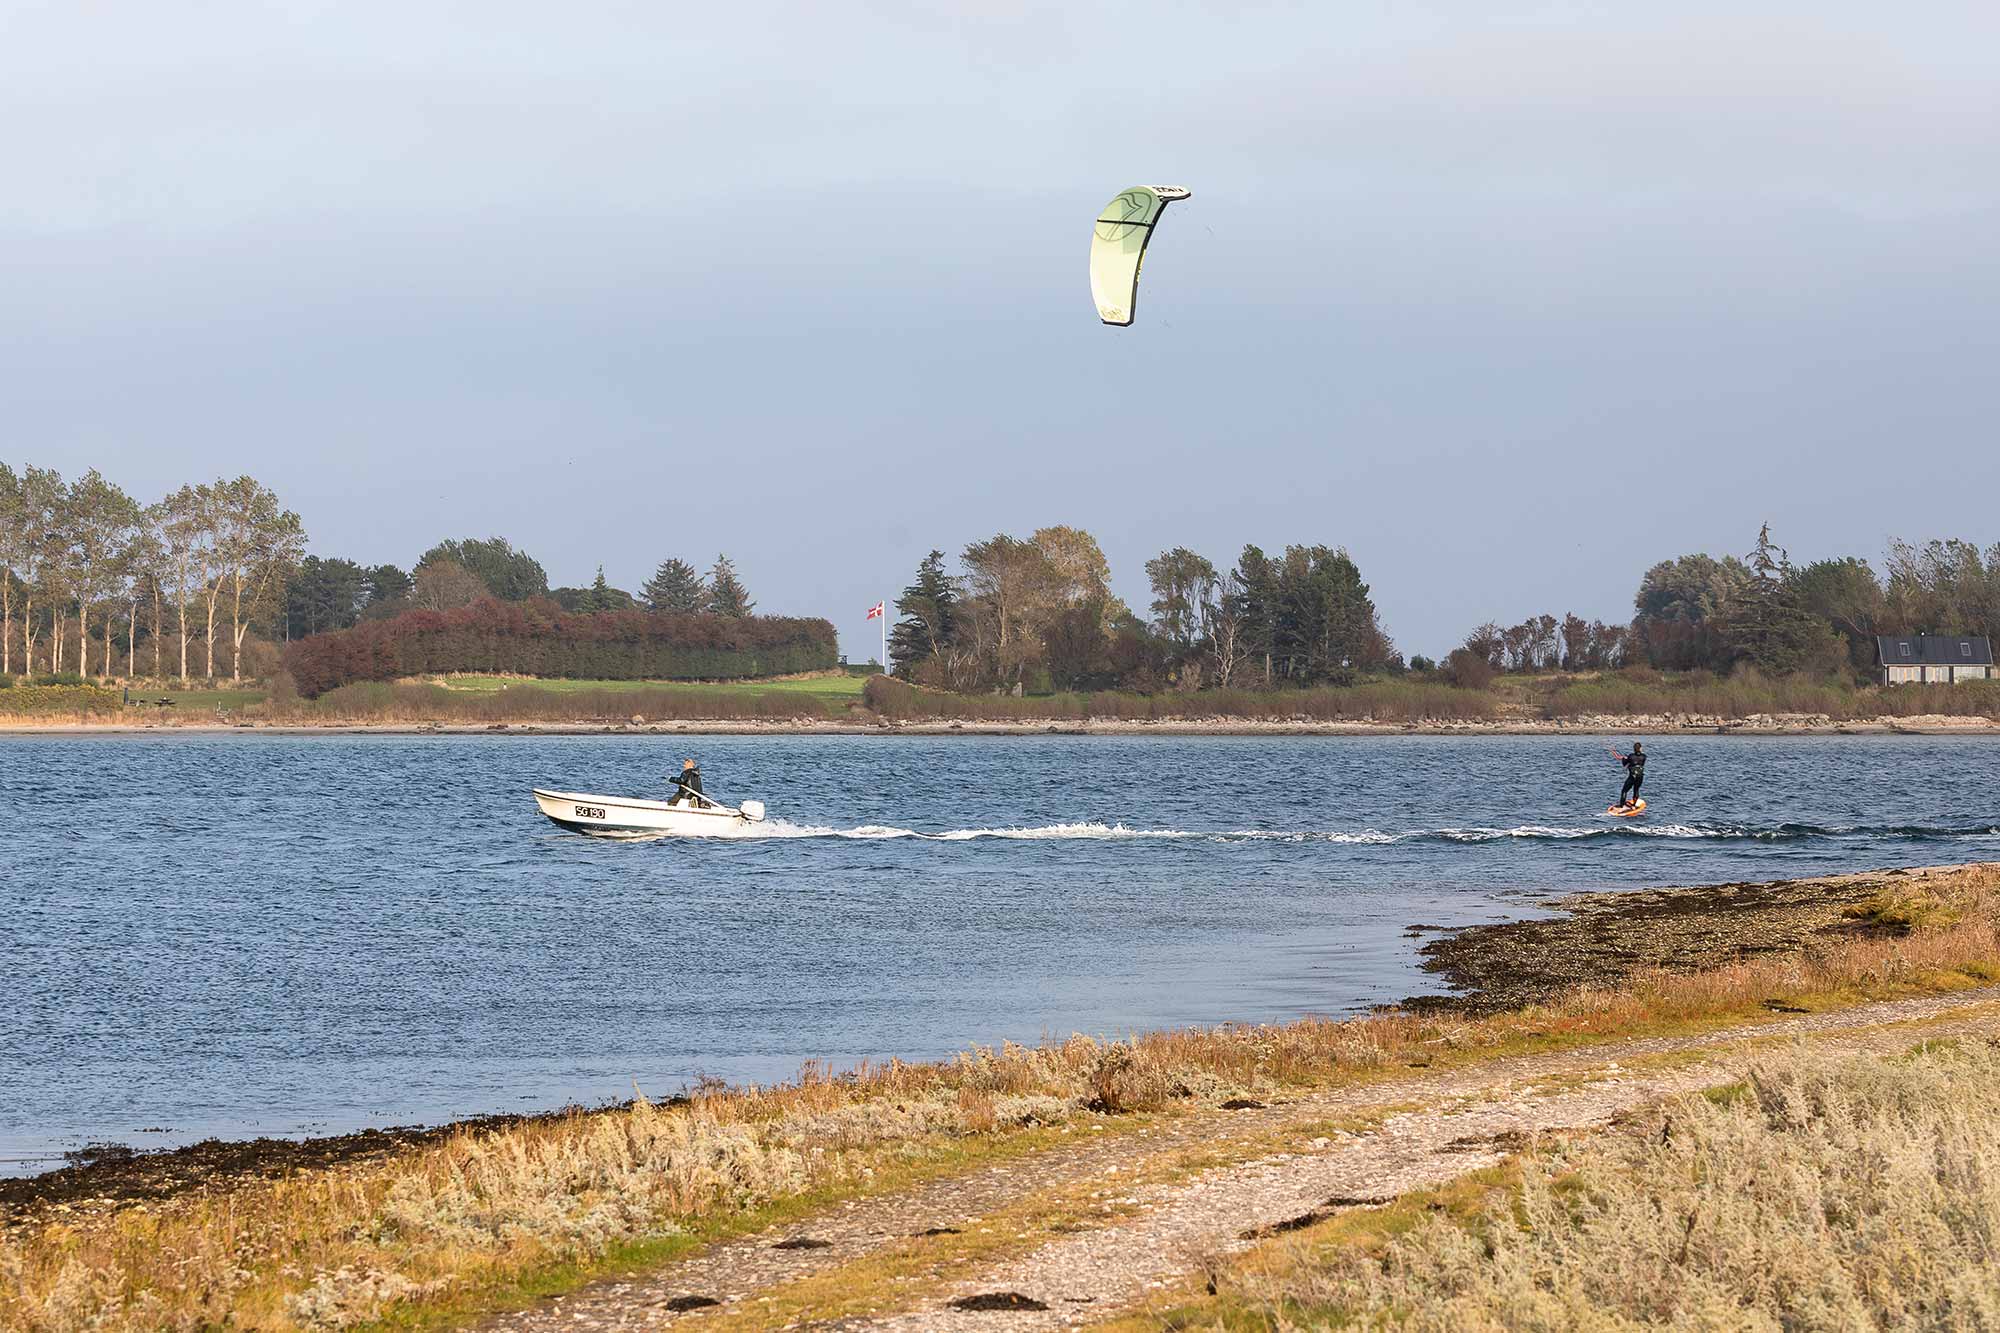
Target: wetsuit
(689, 782)
(1635, 776)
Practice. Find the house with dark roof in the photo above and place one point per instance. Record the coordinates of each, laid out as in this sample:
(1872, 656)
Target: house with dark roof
(1916, 659)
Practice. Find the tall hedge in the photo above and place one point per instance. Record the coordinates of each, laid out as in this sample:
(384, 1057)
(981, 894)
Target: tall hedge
(539, 638)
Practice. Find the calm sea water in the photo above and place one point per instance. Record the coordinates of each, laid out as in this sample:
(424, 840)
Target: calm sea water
(244, 934)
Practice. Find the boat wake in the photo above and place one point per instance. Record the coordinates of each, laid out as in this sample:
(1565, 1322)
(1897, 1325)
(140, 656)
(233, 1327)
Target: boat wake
(1091, 831)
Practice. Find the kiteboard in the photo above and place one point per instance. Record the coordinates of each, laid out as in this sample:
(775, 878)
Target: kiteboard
(1627, 811)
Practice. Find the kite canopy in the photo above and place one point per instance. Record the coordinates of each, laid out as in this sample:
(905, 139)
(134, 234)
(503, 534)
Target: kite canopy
(1118, 244)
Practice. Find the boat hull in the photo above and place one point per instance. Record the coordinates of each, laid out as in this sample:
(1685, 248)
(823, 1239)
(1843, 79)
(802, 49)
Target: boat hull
(630, 818)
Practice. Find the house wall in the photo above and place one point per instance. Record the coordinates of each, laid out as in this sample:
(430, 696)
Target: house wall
(1918, 675)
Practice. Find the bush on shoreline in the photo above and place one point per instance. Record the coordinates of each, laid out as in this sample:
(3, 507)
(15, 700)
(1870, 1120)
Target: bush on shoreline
(540, 639)
(42, 701)
(407, 702)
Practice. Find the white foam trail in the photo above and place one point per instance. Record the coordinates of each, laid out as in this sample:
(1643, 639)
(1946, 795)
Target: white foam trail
(1096, 831)
(1079, 831)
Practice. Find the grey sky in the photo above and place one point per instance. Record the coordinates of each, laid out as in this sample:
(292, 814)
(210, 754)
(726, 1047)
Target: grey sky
(1509, 300)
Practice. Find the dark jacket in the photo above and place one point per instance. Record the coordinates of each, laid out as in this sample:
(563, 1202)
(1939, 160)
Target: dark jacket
(688, 780)
(1635, 764)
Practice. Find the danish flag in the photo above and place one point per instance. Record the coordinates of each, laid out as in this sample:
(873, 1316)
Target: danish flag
(875, 611)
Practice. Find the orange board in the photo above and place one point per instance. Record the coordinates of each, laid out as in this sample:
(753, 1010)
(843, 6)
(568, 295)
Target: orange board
(1627, 811)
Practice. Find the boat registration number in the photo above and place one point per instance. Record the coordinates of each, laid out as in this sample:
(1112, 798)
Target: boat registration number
(590, 812)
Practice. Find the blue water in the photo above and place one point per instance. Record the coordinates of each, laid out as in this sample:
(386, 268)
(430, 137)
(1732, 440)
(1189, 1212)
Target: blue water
(237, 934)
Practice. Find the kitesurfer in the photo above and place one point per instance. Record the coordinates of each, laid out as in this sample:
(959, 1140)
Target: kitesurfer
(687, 783)
(1635, 775)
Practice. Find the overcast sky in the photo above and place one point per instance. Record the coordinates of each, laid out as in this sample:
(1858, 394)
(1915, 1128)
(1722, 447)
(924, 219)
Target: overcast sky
(1509, 300)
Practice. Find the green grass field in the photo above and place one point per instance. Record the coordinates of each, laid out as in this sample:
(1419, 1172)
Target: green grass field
(196, 701)
(836, 691)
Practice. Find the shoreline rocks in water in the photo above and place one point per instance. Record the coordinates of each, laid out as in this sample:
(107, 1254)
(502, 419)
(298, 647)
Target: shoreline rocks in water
(1602, 939)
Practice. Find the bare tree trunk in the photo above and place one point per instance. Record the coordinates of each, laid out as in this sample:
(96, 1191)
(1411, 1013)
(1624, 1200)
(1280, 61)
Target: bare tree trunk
(211, 638)
(55, 639)
(82, 637)
(236, 628)
(156, 632)
(109, 636)
(28, 637)
(132, 640)
(182, 618)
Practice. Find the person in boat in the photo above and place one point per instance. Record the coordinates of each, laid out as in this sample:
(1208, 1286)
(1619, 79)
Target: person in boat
(687, 785)
(1635, 775)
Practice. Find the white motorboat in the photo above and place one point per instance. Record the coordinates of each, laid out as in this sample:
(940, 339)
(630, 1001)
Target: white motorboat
(629, 817)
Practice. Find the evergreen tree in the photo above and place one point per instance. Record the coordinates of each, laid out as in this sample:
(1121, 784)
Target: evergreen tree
(599, 596)
(1257, 580)
(324, 594)
(930, 616)
(676, 586)
(388, 589)
(726, 594)
(510, 574)
(1768, 623)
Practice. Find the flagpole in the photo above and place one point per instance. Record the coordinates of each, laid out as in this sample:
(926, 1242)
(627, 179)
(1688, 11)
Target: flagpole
(885, 636)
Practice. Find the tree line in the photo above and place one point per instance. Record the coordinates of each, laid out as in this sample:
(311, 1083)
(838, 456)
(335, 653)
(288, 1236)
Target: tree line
(333, 594)
(96, 582)
(1698, 612)
(84, 555)
(1024, 614)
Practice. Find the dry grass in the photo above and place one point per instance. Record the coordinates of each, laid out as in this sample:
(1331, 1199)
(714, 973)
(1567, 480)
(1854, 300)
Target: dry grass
(464, 1221)
(1907, 909)
(1823, 1193)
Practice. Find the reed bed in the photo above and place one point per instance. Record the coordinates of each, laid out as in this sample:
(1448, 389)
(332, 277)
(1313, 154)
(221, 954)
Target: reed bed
(486, 1210)
(1374, 701)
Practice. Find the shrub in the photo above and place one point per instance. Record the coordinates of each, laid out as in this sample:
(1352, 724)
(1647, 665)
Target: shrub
(40, 700)
(540, 639)
(1467, 670)
(384, 702)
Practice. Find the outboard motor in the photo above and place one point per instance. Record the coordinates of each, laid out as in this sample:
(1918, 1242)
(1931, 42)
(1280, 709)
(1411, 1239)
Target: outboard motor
(752, 810)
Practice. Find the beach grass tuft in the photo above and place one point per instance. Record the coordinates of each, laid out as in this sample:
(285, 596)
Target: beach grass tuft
(1821, 1192)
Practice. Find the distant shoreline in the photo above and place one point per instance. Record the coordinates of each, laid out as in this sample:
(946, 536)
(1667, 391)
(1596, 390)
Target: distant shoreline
(1766, 725)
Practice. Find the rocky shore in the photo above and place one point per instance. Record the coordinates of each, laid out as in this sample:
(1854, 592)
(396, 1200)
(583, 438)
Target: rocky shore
(1687, 724)
(1601, 939)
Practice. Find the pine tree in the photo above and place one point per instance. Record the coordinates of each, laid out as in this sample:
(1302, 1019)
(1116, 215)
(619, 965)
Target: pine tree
(1769, 625)
(600, 593)
(676, 586)
(726, 594)
(930, 613)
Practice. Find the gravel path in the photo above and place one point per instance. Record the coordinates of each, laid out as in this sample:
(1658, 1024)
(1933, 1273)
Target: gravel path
(1470, 1117)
